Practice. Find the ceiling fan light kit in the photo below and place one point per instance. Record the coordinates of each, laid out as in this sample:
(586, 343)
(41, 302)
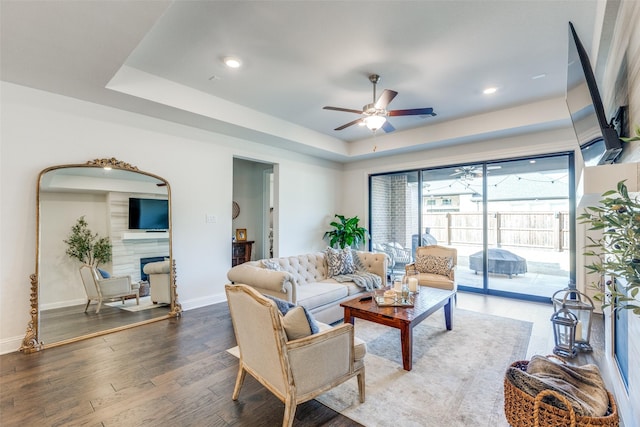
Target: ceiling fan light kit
(374, 122)
(374, 115)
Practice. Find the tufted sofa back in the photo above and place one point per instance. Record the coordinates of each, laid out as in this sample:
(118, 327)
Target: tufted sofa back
(311, 268)
(307, 268)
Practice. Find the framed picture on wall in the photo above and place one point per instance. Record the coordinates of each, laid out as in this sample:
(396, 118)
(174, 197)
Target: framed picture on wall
(241, 234)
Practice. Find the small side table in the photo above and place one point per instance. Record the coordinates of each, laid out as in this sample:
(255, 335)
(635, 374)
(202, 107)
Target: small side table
(241, 252)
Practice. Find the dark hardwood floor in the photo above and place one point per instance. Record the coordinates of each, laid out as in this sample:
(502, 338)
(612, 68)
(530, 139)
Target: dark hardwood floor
(170, 373)
(177, 373)
(69, 322)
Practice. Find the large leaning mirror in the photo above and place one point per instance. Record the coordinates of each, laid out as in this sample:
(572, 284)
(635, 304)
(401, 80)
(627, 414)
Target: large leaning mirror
(127, 279)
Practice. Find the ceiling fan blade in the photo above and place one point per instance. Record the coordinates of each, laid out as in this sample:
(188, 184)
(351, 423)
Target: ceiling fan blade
(413, 112)
(388, 127)
(384, 100)
(356, 121)
(346, 110)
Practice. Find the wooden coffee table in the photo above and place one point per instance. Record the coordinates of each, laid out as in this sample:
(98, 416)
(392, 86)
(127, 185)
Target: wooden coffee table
(427, 302)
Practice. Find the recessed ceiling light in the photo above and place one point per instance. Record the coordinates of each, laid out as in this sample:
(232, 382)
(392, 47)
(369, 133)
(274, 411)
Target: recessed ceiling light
(490, 90)
(532, 161)
(232, 62)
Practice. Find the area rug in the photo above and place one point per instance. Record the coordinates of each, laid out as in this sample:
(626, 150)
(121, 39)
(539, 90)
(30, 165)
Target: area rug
(456, 378)
(130, 304)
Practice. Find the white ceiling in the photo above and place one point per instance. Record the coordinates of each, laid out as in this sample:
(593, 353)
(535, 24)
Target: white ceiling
(163, 59)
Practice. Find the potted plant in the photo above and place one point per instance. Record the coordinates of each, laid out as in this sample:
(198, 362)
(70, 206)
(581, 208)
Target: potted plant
(87, 247)
(617, 251)
(346, 233)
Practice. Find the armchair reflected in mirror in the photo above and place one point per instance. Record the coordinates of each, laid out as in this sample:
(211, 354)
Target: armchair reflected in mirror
(70, 300)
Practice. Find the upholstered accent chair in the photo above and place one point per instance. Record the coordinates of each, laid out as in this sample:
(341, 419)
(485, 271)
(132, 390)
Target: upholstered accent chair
(296, 370)
(435, 266)
(159, 281)
(101, 289)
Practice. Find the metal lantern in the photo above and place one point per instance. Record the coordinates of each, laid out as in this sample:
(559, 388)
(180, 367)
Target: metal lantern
(564, 331)
(582, 307)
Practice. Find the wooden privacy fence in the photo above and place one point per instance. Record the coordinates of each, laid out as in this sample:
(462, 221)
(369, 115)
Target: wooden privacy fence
(544, 230)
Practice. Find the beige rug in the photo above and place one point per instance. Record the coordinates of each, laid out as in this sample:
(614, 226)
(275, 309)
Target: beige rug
(130, 304)
(456, 378)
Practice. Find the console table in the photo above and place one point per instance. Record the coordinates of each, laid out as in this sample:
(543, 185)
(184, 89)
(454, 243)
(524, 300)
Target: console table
(241, 252)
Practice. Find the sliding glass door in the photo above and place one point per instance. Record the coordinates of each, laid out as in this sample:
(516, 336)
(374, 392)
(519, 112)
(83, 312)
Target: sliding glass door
(509, 220)
(394, 217)
(453, 214)
(528, 245)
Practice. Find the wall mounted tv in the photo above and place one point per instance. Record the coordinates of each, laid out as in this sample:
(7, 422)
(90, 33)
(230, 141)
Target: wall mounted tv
(599, 142)
(148, 214)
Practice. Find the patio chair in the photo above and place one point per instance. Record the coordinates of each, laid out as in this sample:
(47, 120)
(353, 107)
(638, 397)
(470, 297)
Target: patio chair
(399, 255)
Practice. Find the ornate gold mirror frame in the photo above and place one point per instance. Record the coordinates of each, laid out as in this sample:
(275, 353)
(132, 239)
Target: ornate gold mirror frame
(92, 172)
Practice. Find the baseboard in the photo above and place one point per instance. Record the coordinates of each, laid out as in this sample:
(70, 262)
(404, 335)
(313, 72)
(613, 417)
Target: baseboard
(62, 304)
(9, 345)
(191, 304)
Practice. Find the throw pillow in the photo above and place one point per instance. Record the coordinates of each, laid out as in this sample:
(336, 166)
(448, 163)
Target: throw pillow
(286, 306)
(357, 262)
(296, 324)
(271, 265)
(339, 261)
(434, 264)
(104, 274)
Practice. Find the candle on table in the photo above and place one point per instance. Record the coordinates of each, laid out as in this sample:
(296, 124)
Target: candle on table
(413, 284)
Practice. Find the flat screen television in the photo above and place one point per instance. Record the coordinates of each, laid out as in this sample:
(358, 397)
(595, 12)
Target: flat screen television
(148, 214)
(598, 140)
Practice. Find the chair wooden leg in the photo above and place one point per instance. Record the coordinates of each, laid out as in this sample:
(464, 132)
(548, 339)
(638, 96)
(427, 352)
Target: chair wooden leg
(86, 307)
(99, 306)
(239, 380)
(289, 410)
(361, 386)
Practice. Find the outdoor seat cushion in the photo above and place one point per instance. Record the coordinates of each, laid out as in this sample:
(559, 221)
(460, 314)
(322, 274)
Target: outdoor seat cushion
(317, 294)
(352, 288)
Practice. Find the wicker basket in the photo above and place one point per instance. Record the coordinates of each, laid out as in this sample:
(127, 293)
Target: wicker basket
(523, 410)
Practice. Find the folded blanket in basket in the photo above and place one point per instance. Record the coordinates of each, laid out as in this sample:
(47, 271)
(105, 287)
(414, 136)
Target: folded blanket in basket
(581, 385)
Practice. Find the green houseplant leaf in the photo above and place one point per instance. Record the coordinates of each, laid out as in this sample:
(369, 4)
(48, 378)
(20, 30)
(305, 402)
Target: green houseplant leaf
(617, 250)
(86, 246)
(346, 233)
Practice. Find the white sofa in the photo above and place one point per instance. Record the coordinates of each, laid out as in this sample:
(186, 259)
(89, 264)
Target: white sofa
(159, 281)
(304, 280)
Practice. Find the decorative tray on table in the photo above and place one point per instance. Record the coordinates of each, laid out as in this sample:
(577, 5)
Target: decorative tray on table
(392, 299)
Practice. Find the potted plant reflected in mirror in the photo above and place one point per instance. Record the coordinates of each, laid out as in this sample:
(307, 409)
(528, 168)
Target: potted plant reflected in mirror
(346, 233)
(86, 246)
(617, 251)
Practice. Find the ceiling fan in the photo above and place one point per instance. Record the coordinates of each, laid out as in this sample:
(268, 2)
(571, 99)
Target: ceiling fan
(374, 115)
(470, 172)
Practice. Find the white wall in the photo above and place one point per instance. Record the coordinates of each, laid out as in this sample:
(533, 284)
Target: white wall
(625, 48)
(60, 283)
(39, 129)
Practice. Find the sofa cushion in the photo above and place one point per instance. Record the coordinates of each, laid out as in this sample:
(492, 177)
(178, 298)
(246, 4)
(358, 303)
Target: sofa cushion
(434, 264)
(435, 281)
(317, 294)
(339, 261)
